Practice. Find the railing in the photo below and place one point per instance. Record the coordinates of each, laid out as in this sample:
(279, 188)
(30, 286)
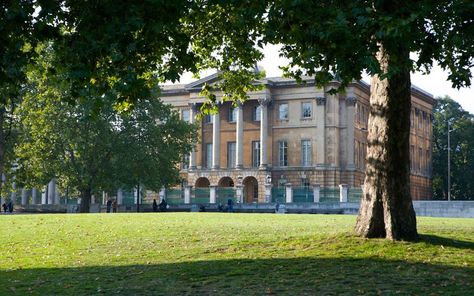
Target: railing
(303, 194)
(279, 194)
(200, 195)
(174, 196)
(354, 194)
(329, 194)
(224, 194)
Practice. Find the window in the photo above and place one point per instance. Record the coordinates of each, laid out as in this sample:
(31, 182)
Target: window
(283, 111)
(207, 118)
(256, 153)
(231, 152)
(306, 153)
(306, 110)
(420, 159)
(208, 155)
(412, 158)
(185, 115)
(411, 118)
(257, 113)
(283, 153)
(232, 114)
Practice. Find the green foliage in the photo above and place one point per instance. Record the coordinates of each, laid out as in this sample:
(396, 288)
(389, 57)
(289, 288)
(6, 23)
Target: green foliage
(90, 150)
(119, 50)
(328, 39)
(462, 150)
(228, 254)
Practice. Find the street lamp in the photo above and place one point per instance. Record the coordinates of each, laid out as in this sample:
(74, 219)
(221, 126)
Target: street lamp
(449, 160)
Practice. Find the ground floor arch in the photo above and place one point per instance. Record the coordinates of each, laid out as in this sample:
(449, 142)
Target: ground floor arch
(202, 182)
(250, 190)
(226, 182)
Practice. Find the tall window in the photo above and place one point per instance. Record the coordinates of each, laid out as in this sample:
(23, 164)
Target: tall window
(231, 152)
(256, 113)
(420, 159)
(185, 115)
(305, 153)
(306, 111)
(232, 114)
(283, 153)
(283, 111)
(412, 158)
(256, 153)
(208, 155)
(207, 118)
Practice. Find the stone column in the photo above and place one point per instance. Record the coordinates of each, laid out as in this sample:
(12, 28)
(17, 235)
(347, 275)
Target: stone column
(289, 193)
(264, 102)
(34, 195)
(119, 196)
(343, 191)
(320, 131)
(350, 103)
(162, 193)
(187, 194)
(239, 137)
(216, 141)
(44, 196)
(268, 192)
(24, 196)
(212, 194)
(316, 190)
(192, 119)
(239, 191)
(52, 191)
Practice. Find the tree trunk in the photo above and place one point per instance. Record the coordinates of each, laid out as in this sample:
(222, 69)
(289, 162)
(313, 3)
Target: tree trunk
(86, 195)
(386, 207)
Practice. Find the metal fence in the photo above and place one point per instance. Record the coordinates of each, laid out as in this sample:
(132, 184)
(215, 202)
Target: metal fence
(174, 196)
(303, 194)
(200, 195)
(224, 194)
(279, 194)
(329, 194)
(354, 194)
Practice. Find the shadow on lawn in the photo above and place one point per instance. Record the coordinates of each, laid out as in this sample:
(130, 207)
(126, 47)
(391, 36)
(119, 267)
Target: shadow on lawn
(448, 242)
(301, 276)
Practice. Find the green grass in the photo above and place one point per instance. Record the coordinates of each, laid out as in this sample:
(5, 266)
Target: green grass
(228, 254)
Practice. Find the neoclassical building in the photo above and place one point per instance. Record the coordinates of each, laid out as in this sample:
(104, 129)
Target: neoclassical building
(291, 134)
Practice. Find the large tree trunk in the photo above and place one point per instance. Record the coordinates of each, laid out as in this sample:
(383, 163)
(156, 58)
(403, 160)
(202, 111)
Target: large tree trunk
(86, 196)
(386, 207)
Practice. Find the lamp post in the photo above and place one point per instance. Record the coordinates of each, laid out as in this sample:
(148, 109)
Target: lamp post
(449, 160)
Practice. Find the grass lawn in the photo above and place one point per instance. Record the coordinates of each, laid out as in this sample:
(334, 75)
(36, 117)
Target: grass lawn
(228, 254)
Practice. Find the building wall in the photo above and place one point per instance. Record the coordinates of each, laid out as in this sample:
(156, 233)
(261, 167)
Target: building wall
(335, 158)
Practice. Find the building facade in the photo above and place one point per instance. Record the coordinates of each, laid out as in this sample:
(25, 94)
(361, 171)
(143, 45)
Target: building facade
(290, 134)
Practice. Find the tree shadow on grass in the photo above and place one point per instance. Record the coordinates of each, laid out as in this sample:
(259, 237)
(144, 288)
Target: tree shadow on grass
(444, 241)
(299, 276)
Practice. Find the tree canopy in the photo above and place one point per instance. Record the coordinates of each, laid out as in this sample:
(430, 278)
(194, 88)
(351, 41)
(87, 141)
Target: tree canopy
(462, 150)
(95, 151)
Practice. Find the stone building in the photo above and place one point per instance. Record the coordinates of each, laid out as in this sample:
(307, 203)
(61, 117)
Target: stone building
(290, 134)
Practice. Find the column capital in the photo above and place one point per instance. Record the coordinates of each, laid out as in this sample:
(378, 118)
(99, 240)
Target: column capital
(320, 101)
(351, 101)
(265, 101)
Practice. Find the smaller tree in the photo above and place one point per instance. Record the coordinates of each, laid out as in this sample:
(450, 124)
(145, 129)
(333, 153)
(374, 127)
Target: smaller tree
(462, 150)
(151, 142)
(92, 149)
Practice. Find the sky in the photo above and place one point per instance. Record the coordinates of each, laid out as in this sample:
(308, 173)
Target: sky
(434, 83)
